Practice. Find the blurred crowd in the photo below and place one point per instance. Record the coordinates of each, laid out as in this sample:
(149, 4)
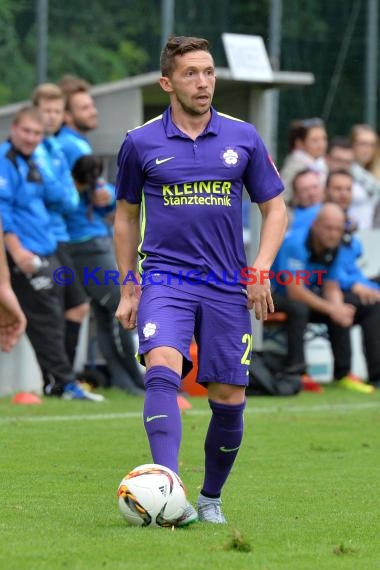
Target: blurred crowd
(358, 152)
(56, 210)
(332, 190)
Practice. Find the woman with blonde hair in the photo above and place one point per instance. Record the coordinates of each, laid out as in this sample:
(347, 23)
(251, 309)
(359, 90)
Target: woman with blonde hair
(366, 172)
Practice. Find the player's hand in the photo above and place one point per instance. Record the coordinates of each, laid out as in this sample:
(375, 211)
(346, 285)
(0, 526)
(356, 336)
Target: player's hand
(126, 312)
(12, 319)
(260, 298)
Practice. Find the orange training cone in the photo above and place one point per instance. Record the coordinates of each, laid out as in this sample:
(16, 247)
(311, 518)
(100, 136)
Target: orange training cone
(183, 403)
(26, 398)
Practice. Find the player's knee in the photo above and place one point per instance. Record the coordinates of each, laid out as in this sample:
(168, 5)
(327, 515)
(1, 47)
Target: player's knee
(226, 393)
(164, 356)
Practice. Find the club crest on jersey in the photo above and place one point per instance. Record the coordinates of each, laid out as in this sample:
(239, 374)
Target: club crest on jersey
(150, 329)
(230, 157)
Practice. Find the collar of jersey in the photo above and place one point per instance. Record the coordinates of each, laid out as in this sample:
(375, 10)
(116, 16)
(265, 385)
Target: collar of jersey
(173, 131)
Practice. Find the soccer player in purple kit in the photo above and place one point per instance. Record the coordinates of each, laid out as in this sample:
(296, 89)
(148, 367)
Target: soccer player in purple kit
(179, 190)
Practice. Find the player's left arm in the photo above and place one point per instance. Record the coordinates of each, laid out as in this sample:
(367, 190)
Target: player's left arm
(274, 224)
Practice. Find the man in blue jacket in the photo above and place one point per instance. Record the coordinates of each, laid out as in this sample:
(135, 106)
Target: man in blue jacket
(339, 189)
(307, 286)
(25, 192)
(50, 100)
(90, 243)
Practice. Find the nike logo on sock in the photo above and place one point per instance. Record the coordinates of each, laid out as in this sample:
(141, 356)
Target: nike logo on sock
(151, 418)
(227, 450)
(162, 160)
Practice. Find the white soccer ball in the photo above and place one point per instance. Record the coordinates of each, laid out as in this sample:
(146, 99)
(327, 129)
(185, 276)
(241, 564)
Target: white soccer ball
(151, 495)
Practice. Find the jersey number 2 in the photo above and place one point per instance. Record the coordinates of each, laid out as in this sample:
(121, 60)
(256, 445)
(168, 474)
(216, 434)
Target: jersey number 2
(247, 340)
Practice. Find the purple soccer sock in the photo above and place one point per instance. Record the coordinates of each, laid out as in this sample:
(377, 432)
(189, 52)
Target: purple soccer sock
(162, 417)
(222, 444)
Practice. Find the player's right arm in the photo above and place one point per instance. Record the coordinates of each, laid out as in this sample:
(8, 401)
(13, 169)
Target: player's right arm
(126, 238)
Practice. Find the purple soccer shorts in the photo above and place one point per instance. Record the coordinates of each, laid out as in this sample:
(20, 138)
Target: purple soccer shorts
(223, 332)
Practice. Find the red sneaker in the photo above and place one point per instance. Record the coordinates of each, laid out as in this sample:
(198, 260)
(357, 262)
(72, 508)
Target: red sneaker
(310, 385)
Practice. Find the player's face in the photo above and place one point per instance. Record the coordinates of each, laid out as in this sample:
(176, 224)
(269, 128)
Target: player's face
(26, 135)
(52, 112)
(339, 190)
(309, 190)
(192, 83)
(83, 114)
(315, 142)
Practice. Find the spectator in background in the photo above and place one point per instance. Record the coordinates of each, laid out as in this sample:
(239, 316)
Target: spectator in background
(351, 278)
(90, 244)
(306, 199)
(364, 141)
(340, 154)
(319, 298)
(49, 99)
(31, 245)
(307, 149)
(365, 144)
(12, 318)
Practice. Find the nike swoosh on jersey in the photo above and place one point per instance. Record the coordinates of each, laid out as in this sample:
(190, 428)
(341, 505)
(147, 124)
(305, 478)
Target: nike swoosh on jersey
(227, 450)
(151, 418)
(161, 160)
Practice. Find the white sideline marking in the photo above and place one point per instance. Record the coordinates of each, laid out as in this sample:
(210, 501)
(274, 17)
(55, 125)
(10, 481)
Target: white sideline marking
(129, 415)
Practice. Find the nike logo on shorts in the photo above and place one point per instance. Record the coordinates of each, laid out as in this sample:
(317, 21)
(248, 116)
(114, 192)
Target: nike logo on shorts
(162, 160)
(151, 418)
(227, 450)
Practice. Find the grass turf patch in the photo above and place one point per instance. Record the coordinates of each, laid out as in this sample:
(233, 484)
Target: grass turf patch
(303, 493)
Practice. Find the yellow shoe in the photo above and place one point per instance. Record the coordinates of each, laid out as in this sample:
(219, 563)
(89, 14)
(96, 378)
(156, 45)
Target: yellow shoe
(355, 384)
(85, 386)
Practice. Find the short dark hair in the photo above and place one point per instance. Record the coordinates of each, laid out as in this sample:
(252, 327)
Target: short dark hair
(340, 171)
(71, 85)
(300, 127)
(179, 45)
(299, 175)
(339, 142)
(87, 169)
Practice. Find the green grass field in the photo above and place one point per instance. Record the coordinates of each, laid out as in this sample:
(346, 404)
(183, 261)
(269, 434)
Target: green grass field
(304, 492)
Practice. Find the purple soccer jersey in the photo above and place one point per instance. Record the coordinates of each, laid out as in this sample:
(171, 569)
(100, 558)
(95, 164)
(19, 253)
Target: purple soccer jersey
(191, 196)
